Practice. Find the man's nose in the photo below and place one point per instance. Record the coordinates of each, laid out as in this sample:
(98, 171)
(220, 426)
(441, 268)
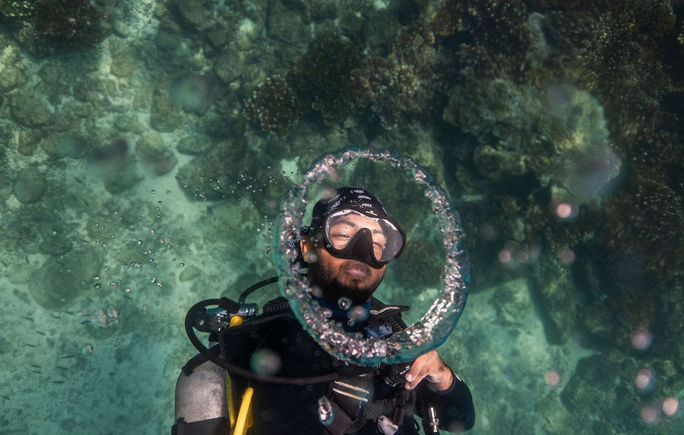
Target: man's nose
(363, 244)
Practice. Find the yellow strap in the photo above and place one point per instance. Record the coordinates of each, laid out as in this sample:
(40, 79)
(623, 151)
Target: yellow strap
(244, 418)
(230, 399)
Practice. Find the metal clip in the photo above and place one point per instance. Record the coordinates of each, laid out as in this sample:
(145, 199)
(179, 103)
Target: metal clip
(433, 421)
(326, 414)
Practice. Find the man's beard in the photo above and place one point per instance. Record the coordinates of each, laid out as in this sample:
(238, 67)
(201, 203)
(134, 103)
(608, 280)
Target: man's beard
(321, 278)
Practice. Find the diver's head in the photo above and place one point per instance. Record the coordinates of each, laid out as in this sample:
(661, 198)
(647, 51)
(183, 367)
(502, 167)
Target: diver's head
(349, 243)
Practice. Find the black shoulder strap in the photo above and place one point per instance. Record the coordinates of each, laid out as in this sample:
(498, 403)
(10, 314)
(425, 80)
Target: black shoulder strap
(383, 313)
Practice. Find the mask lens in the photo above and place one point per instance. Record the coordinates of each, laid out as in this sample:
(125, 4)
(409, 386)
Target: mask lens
(342, 226)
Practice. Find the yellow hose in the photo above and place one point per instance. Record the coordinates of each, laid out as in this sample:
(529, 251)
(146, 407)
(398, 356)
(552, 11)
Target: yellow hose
(244, 418)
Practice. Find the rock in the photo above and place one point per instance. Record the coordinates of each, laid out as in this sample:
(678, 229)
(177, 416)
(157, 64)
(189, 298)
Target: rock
(124, 179)
(189, 273)
(5, 180)
(19, 273)
(289, 25)
(194, 93)
(555, 294)
(218, 36)
(29, 110)
(65, 145)
(169, 35)
(129, 123)
(211, 175)
(123, 61)
(194, 144)
(235, 221)
(595, 320)
(381, 29)
(193, 12)
(120, 28)
(55, 245)
(27, 142)
(10, 77)
(152, 151)
(29, 185)
(164, 114)
(227, 67)
(63, 277)
(602, 387)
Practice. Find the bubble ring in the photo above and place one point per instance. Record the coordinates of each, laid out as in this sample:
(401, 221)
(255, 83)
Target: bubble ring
(406, 345)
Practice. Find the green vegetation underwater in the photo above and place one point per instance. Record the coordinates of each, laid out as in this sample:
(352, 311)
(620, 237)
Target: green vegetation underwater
(146, 146)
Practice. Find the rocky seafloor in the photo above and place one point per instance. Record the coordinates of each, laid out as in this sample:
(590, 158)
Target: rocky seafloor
(145, 146)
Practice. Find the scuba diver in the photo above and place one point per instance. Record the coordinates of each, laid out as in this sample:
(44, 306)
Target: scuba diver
(288, 383)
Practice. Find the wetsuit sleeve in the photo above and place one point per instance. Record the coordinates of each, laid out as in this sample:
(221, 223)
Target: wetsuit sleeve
(453, 406)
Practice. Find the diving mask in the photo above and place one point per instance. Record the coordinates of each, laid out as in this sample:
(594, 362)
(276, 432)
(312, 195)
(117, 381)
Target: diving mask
(354, 225)
(351, 234)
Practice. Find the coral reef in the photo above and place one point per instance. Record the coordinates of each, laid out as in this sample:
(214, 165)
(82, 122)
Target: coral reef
(16, 8)
(497, 26)
(559, 133)
(647, 215)
(273, 105)
(67, 24)
(401, 88)
(322, 78)
(335, 80)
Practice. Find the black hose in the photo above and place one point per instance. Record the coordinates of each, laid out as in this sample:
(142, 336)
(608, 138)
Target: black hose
(253, 287)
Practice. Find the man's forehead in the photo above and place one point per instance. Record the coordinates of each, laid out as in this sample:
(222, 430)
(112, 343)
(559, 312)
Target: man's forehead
(359, 219)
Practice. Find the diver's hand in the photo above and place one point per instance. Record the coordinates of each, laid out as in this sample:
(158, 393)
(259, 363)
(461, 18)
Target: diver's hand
(429, 365)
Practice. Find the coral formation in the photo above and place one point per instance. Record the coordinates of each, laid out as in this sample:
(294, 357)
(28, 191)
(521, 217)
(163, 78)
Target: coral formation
(16, 8)
(273, 105)
(335, 80)
(559, 133)
(67, 24)
(497, 26)
(322, 78)
(645, 221)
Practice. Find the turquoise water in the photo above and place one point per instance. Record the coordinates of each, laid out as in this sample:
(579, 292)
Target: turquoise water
(146, 146)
